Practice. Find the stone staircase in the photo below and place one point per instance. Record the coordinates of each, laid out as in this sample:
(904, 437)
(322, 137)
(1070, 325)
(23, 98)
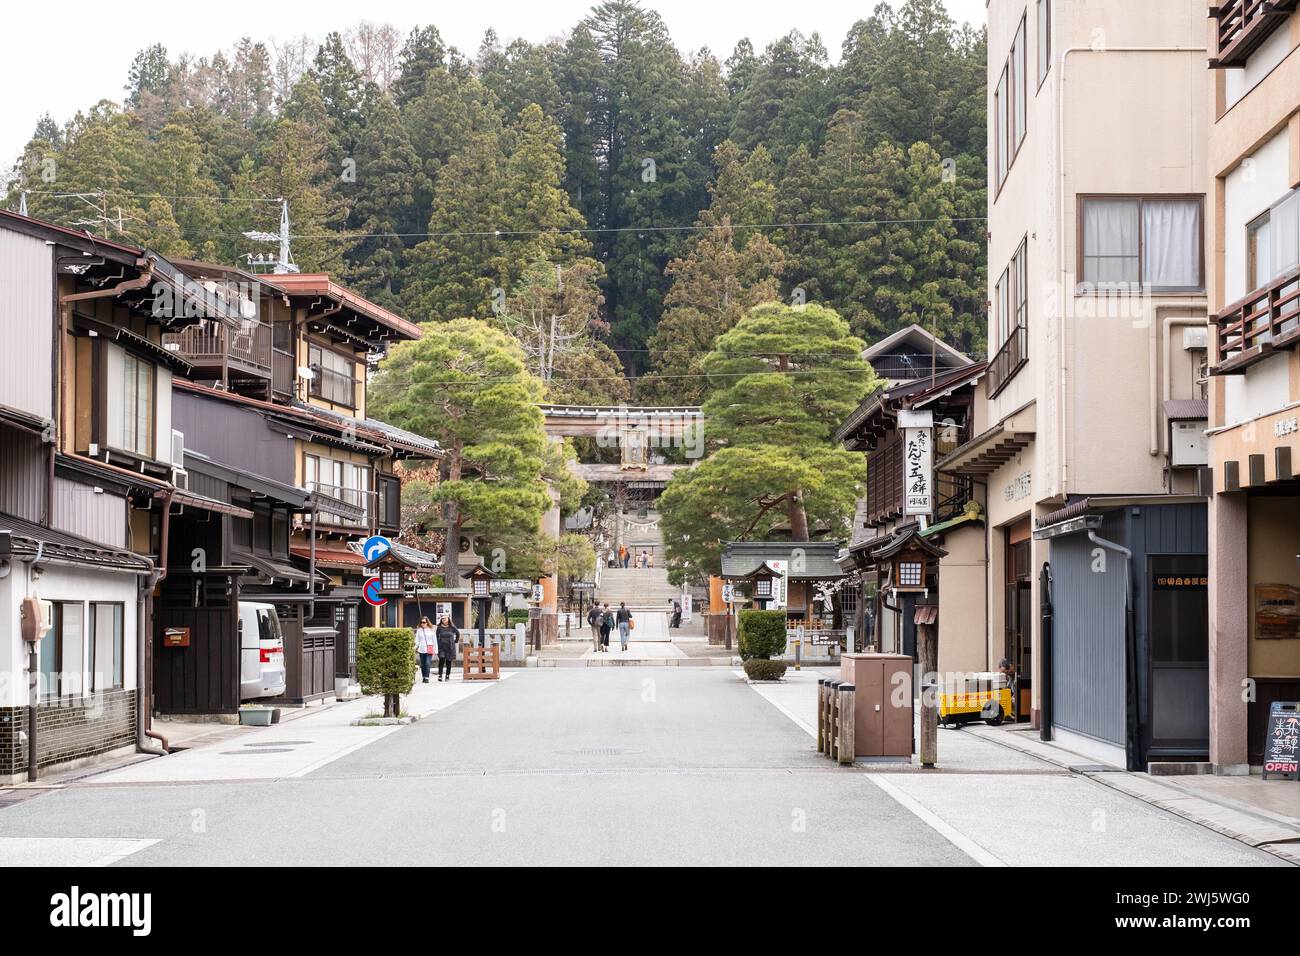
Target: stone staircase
(645, 588)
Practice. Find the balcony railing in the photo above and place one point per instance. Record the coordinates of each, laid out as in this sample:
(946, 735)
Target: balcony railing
(282, 374)
(210, 345)
(1241, 27)
(353, 507)
(905, 367)
(1008, 360)
(1265, 321)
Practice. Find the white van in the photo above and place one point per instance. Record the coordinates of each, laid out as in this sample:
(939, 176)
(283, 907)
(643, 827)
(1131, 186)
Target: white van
(261, 651)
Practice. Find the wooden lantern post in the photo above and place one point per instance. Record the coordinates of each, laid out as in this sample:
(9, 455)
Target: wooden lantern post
(480, 589)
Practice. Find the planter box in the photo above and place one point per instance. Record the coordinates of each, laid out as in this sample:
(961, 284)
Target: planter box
(256, 716)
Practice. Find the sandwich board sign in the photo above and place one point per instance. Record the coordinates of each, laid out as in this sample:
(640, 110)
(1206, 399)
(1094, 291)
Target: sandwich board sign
(1282, 741)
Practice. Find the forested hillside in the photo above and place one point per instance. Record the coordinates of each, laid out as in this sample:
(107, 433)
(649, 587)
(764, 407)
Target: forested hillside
(647, 196)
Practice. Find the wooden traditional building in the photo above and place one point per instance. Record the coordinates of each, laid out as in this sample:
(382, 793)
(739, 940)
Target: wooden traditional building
(86, 482)
(940, 530)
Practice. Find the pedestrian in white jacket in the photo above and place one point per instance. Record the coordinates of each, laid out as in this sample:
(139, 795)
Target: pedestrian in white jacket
(426, 646)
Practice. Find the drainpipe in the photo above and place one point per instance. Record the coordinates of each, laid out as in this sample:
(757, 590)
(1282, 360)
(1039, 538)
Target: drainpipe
(1158, 442)
(1130, 652)
(1062, 265)
(311, 567)
(33, 678)
(144, 639)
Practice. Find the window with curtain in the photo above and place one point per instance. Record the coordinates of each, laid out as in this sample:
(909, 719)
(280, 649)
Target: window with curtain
(1143, 243)
(1285, 235)
(137, 405)
(1018, 87)
(1044, 39)
(1000, 310)
(1000, 127)
(1009, 107)
(1020, 265)
(105, 646)
(62, 652)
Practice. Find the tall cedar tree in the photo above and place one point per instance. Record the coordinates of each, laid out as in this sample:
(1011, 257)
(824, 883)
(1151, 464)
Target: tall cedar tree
(465, 384)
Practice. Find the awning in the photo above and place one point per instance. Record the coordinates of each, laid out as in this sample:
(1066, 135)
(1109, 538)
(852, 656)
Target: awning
(270, 568)
(331, 557)
(259, 485)
(816, 559)
(1186, 409)
(190, 499)
(24, 538)
(989, 451)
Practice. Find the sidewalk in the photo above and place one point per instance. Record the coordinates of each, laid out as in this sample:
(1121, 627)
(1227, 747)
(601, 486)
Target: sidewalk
(1251, 810)
(302, 742)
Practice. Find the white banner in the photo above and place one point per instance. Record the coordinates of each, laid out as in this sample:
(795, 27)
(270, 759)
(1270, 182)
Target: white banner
(918, 471)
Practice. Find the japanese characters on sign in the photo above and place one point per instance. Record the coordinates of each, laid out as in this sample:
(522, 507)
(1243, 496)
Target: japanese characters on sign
(918, 462)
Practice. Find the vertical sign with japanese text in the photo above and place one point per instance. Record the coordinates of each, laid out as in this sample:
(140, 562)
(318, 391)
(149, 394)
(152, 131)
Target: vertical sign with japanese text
(918, 462)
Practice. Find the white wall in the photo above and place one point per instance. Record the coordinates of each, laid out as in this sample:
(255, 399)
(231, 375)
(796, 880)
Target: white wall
(1261, 180)
(62, 583)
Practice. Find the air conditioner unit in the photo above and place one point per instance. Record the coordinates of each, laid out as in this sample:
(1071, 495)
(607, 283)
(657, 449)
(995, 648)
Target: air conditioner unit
(1195, 338)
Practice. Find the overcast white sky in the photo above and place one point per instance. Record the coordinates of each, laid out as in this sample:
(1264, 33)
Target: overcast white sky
(63, 57)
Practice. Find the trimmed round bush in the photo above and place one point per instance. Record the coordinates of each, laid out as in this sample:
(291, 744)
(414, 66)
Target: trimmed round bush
(762, 634)
(386, 664)
(760, 668)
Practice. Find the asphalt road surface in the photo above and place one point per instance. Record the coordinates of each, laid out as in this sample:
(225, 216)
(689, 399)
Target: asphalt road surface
(626, 766)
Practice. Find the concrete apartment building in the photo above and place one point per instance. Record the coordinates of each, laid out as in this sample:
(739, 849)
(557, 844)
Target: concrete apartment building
(1254, 230)
(1092, 461)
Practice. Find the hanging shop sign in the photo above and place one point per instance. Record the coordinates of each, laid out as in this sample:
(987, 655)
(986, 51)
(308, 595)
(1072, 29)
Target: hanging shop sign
(918, 462)
(511, 586)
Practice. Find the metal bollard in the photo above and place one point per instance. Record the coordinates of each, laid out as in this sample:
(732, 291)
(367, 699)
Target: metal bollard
(847, 696)
(821, 715)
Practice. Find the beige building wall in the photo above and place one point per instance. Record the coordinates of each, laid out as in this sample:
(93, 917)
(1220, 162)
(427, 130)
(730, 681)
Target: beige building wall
(1117, 113)
(962, 622)
(1253, 160)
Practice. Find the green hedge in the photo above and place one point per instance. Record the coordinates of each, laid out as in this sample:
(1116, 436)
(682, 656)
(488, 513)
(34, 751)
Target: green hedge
(386, 664)
(516, 616)
(762, 669)
(762, 634)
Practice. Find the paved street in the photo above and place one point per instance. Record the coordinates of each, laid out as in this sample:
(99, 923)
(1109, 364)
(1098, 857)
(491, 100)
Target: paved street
(626, 765)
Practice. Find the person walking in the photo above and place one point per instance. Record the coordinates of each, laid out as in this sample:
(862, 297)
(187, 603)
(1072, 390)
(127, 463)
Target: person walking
(448, 638)
(624, 618)
(593, 620)
(677, 614)
(624, 555)
(426, 646)
(606, 625)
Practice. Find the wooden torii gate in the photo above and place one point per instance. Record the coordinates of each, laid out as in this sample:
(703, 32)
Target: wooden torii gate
(635, 430)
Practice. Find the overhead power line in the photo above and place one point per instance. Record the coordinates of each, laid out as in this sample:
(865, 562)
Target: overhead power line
(590, 230)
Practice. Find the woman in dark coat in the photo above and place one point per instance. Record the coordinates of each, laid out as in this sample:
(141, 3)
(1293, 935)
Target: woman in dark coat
(448, 638)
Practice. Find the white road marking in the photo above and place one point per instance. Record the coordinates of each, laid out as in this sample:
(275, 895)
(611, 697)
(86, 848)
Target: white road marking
(67, 851)
(801, 724)
(954, 836)
(958, 839)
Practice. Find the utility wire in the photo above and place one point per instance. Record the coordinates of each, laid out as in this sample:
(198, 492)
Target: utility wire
(589, 230)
